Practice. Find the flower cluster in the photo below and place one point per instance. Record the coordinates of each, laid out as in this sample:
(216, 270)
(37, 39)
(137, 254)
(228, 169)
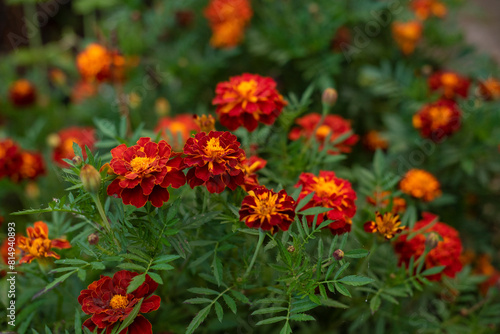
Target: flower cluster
(420, 184)
(449, 84)
(407, 35)
(329, 192)
(22, 93)
(438, 120)
(64, 139)
(18, 164)
(333, 126)
(246, 100)
(110, 304)
(176, 130)
(387, 225)
(423, 9)
(445, 253)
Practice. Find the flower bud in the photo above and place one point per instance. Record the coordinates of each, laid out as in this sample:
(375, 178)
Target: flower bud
(91, 178)
(329, 97)
(93, 239)
(291, 249)
(432, 240)
(338, 254)
(77, 161)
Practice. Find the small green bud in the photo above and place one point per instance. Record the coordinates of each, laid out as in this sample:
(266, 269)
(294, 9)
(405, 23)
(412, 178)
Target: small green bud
(91, 178)
(329, 97)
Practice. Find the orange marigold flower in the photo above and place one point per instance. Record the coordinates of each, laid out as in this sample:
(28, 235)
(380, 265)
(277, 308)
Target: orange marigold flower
(32, 166)
(450, 84)
(382, 199)
(176, 130)
(265, 209)
(373, 140)
(387, 225)
(438, 120)
(446, 253)
(97, 63)
(484, 267)
(22, 93)
(420, 184)
(423, 9)
(333, 126)
(216, 160)
(10, 158)
(329, 192)
(64, 139)
(37, 244)
(489, 89)
(205, 123)
(250, 166)
(246, 100)
(144, 172)
(110, 304)
(407, 35)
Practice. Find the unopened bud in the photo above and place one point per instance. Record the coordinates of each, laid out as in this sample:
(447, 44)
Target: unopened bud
(77, 160)
(329, 97)
(338, 254)
(91, 178)
(291, 249)
(432, 240)
(206, 123)
(93, 239)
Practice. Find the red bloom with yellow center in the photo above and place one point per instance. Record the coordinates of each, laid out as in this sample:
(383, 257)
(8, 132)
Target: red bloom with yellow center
(32, 166)
(216, 160)
(450, 84)
(387, 225)
(445, 253)
(250, 167)
(329, 192)
(333, 126)
(373, 140)
(265, 209)
(489, 89)
(423, 9)
(10, 158)
(382, 199)
(64, 139)
(420, 184)
(176, 130)
(110, 304)
(407, 35)
(22, 93)
(246, 100)
(438, 120)
(144, 172)
(37, 244)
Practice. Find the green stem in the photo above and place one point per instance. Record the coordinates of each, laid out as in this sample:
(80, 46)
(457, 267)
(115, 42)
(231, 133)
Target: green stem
(105, 223)
(262, 234)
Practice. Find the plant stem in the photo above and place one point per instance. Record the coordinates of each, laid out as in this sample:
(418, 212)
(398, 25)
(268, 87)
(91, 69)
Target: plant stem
(105, 223)
(262, 234)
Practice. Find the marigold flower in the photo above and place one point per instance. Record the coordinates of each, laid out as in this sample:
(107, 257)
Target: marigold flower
(250, 166)
(37, 244)
(484, 267)
(144, 172)
(205, 123)
(423, 9)
(450, 84)
(420, 184)
(22, 93)
(83, 90)
(32, 166)
(215, 159)
(333, 126)
(489, 89)
(10, 158)
(246, 100)
(438, 120)
(329, 192)
(407, 35)
(387, 225)
(341, 39)
(382, 199)
(176, 130)
(64, 139)
(446, 253)
(109, 303)
(265, 209)
(373, 140)
(97, 63)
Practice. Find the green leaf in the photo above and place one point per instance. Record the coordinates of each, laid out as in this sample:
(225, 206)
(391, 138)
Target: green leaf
(135, 258)
(341, 270)
(333, 303)
(197, 301)
(198, 319)
(52, 284)
(219, 311)
(97, 265)
(47, 330)
(375, 303)
(274, 309)
(132, 266)
(166, 258)
(218, 270)
(356, 280)
(302, 317)
(241, 297)
(78, 322)
(270, 301)
(131, 317)
(433, 270)
(136, 282)
(379, 163)
(315, 211)
(342, 289)
(162, 266)
(356, 253)
(230, 303)
(203, 291)
(70, 261)
(270, 321)
(286, 329)
(303, 202)
(156, 277)
(389, 298)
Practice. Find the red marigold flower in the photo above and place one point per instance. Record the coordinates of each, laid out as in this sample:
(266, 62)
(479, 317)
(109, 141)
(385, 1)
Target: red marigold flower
(215, 159)
(423, 9)
(109, 303)
(32, 166)
(489, 89)
(265, 209)
(446, 253)
(22, 93)
(438, 120)
(37, 244)
(329, 192)
(246, 100)
(450, 84)
(176, 130)
(64, 139)
(333, 126)
(10, 158)
(407, 35)
(382, 199)
(387, 225)
(373, 140)
(250, 167)
(420, 184)
(144, 172)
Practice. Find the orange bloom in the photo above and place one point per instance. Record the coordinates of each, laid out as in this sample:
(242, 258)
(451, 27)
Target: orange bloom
(489, 89)
(265, 209)
(333, 126)
(83, 90)
(97, 63)
(425, 8)
(22, 93)
(176, 130)
(382, 199)
(32, 166)
(484, 267)
(407, 35)
(250, 166)
(37, 244)
(205, 123)
(215, 159)
(246, 100)
(83, 136)
(373, 140)
(450, 84)
(445, 253)
(420, 184)
(387, 225)
(438, 120)
(329, 192)
(10, 158)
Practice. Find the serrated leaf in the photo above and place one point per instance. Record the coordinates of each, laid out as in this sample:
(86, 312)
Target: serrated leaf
(342, 289)
(230, 303)
(333, 303)
(389, 298)
(274, 309)
(203, 291)
(315, 211)
(241, 297)
(270, 321)
(375, 303)
(162, 266)
(302, 317)
(78, 322)
(166, 258)
(356, 253)
(97, 265)
(286, 329)
(198, 319)
(197, 301)
(131, 317)
(433, 271)
(218, 270)
(303, 202)
(135, 258)
(219, 311)
(341, 270)
(356, 280)
(155, 277)
(136, 282)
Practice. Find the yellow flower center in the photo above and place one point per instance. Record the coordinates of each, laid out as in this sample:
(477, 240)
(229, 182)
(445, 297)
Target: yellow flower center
(388, 225)
(247, 90)
(440, 116)
(325, 188)
(265, 205)
(213, 148)
(139, 164)
(22, 87)
(118, 301)
(177, 127)
(39, 247)
(323, 131)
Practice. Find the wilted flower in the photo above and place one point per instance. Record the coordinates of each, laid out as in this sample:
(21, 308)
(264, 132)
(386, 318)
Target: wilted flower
(438, 120)
(382, 199)
(387, 225)
(144, 172)
(420, 184)
(250, 166)
(489, 89)
(246, 100)
(407, 35)
(37, 244)
(425, 8)
(215, 159)
(373, 140)
(22, 93)
(329, 192)
(450, 84)
(265, 209)
(64, 139)
(446, 253)
(176, 130)
(109, 303)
